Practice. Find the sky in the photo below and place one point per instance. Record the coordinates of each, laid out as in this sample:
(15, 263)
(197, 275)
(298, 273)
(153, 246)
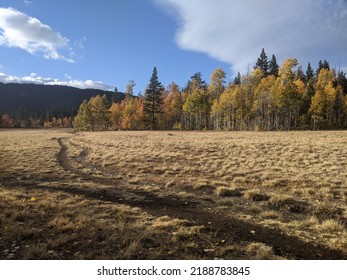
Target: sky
(106, 43)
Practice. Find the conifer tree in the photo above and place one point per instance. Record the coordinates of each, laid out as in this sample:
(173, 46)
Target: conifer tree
(262, 62)
(341, 80)
(322, 65)
(195, 81)
(237, 80)
(300, 74)
(309, 73)
(153, 101)
(273, 66)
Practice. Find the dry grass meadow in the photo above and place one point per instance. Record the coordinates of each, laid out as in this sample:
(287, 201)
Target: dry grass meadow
(173, 195)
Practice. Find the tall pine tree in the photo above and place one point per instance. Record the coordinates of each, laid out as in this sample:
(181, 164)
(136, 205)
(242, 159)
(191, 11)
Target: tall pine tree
(196, 81)
(309, 73)
(262, 62)
(153, 101)
(273, 66)
(237, 80)
(322, 65)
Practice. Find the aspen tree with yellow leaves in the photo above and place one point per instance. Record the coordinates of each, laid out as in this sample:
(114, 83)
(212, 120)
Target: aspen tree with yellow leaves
(270, 98)
(323, 102)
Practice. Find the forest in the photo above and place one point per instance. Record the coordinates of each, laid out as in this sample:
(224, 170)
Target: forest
(270, 98)
(25, 105)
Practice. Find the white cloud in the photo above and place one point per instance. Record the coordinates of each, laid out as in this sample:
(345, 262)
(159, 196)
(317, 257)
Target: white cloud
(22, 31)
(27, 2)
(67, 76)
(36, 79)
(80, 42)
(235, 31)
(82, 84)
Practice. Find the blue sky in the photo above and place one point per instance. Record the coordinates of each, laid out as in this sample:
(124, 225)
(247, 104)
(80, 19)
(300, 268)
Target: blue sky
(110, 41)
(106, 43)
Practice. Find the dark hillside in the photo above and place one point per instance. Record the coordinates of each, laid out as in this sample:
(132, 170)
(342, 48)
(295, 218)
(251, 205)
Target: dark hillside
(34, 98)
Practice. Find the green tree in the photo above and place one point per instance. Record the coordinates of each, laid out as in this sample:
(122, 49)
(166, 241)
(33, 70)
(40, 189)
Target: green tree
(341, 80)
(195, 81)
(262, 62)
(322, 65)
(300, 74)
(153, 102)
(237, 79)
(341, 83)
(309, 73)
(273, 66)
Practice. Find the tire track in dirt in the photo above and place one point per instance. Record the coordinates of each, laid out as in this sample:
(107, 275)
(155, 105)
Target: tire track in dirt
(219, 226)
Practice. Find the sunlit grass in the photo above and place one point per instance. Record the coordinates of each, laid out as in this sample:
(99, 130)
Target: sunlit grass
(294, 181)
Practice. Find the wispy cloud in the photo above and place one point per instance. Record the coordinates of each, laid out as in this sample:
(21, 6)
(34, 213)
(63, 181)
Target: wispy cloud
(235, 31)
(36, 79)
(80, 42)
(19, 30)
(27, 2)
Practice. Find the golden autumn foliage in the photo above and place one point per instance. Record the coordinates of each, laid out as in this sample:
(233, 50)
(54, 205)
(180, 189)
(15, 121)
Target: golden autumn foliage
(259, 100)
(127, 115)
(323, 102)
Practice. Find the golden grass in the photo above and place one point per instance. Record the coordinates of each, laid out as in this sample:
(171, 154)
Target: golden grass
(225, 191)
(295, 181)
(255, 195)
(260, 251)
(331, 226)
(246, 158)
(287, 202)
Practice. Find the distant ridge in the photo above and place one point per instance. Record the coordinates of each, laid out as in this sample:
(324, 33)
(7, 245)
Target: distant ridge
(34, 98)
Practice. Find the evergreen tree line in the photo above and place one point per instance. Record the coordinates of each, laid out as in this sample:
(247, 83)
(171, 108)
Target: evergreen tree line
(272, 97)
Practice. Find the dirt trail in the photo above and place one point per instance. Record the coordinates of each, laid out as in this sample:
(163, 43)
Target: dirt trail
(216, 225)
(92, 182)
(219, 226)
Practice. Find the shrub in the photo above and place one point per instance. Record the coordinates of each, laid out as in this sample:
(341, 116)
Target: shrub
(286, 202)
(256, 195)
(231, 192)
